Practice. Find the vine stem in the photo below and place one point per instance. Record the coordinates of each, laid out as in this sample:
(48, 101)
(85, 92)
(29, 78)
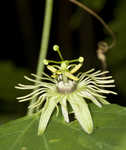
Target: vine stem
(84, 7)
(103, 46)
(44, 43)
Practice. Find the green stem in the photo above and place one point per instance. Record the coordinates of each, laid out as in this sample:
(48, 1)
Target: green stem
(44, 42)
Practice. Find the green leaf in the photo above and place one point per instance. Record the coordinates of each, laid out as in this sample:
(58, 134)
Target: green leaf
(109, 132)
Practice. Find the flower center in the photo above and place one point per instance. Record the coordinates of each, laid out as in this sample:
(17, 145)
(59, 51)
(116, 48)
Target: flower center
(67, 87)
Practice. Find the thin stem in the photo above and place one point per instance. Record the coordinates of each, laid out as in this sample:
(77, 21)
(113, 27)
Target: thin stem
(99, 18)
(103, 47)
(44, 43)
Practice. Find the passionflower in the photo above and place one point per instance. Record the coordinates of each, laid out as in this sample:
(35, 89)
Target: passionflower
(63, 87)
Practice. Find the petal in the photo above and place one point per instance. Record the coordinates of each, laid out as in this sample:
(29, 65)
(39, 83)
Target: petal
(102, 100)
(107, 92)
(46, 114)
(44, 84)
(64, 109)
(95, 93)
(39, 102)
(90, 71)
(100, 73)
(29, 95)
(87, 95)
(104, 81)
(100, 90)
(104, 78)
(82, 112)
(106, 85)
(25, 87)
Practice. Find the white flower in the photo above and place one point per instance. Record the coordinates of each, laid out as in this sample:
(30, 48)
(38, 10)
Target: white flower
(63, 87)
(53, 91)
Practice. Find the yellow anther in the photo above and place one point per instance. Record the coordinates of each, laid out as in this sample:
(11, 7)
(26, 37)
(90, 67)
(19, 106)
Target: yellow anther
(76, 68)
(54, 76)
(52, 69)
(58, 72)
(70, 76)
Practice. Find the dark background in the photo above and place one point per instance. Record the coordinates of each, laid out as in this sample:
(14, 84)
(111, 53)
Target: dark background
(77, 33)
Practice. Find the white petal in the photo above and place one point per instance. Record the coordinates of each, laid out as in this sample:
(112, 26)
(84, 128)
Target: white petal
(95, 94)
(100, 90)
(107, 92)
(104, 81)
(38, 102)
(32, 80)
(43, 78)
(44, 84)
(64, 109)
(90, 71)
(96, 73)
(87, 95)
(104, 78)
(100, 73)
(106, 85)
(102, 100)
(25, 87)
(82, 113)
(46, 114)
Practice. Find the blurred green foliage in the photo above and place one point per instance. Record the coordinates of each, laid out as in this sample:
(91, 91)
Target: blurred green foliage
(117, 56)
(10, 75)
(77, 17)
(94, 4)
